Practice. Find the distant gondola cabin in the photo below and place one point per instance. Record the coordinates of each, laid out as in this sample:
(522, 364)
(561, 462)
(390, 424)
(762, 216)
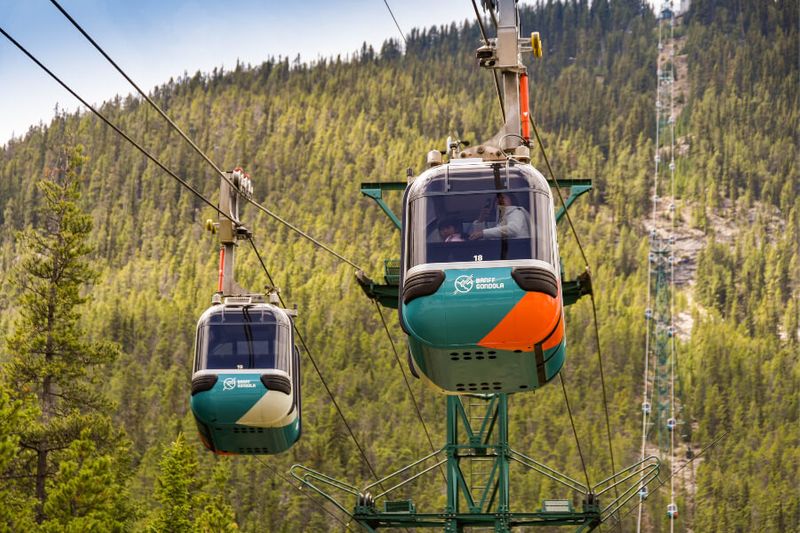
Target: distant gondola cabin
(245, 385)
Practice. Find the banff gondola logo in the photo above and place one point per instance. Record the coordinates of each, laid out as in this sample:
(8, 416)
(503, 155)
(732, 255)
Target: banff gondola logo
(465, 284)
(233, 383)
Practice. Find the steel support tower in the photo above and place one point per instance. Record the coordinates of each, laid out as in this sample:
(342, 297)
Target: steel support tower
(659, 408)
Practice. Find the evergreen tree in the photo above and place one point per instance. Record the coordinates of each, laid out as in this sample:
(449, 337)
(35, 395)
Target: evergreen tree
(16, 507)
(183, 506)
(50, 356)
(175, 488)
(88, 492)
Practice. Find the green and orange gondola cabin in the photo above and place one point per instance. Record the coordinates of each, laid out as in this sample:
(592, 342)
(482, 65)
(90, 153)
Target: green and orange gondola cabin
(480, 288)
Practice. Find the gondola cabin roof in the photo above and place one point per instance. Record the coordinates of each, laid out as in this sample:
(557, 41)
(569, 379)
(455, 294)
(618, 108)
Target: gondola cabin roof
(470, 175)
(235, 314)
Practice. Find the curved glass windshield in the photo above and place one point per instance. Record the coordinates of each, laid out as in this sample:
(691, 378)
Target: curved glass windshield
(480, 226)
(243, 339)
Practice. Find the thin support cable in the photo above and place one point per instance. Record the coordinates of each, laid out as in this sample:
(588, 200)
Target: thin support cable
(605, 398)
(408, 385)
(319, 373)
(499, 93)
(308, 495)
(594, 307)
(672, 268)
(493, 16)
(494, 72)
(645, 413)
(558, 188)
(114, 127)
(403, 35)
(654, 219)
(144, 95)
(574, 431)
(304, 234)
(194, 146)
(661, 482)
(480, 23)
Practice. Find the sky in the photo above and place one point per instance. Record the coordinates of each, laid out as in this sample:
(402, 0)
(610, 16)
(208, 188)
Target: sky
(153, 40)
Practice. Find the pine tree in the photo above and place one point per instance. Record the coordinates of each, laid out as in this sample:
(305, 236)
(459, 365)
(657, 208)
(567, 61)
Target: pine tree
(184, 506)
(88, 492)
(175, 488)
(217, 513)
(16, 507)
(49, 354)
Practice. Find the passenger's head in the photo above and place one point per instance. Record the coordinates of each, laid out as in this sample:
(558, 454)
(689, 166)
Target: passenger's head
(447, 228)
(505, 199)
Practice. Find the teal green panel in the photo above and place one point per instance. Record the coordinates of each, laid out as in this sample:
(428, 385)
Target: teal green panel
(226, 404)
(468, 305)
(217, 410)
(249, 440)
(554, 359)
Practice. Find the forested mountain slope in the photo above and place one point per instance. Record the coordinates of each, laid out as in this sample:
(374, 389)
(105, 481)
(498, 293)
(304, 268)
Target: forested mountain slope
(309, 134)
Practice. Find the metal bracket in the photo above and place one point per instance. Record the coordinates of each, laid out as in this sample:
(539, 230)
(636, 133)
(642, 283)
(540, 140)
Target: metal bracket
(572, 291)
(575, 190)
(375, 191)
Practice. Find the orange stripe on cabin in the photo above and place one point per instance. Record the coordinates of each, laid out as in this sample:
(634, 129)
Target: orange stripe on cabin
(530, 321)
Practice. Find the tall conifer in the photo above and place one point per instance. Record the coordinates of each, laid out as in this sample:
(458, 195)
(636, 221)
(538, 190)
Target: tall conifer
(50, 356)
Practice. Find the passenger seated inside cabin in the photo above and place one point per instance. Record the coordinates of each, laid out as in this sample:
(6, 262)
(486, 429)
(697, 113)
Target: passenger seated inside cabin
(508, 225)
(513, 222)
(449, 231)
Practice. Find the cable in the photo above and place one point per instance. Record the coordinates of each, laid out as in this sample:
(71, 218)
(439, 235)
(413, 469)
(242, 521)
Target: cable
(591, 296)
(304, 234)
(651, 258)
(308, 495)
(480, 23)
(575, 431)
(408, 385)
(557, 187)
(491, 15)
(319, 373)
(690, 461)
(494, 72)
(115, 128)
(499, 95)
(135, 86)
(672, 272)
(192, 144)
(395, 22)
(605, 399)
